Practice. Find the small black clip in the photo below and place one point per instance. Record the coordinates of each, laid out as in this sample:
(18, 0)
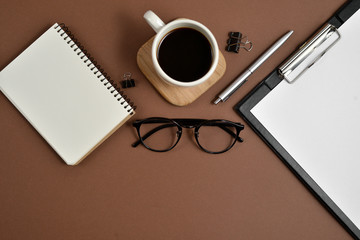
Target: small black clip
(128, 82)
(236, 41)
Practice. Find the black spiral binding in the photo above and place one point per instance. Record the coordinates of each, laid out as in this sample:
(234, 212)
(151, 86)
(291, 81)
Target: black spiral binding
(113, 88)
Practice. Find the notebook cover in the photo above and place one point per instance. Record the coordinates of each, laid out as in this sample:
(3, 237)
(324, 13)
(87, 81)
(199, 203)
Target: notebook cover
(64, 95)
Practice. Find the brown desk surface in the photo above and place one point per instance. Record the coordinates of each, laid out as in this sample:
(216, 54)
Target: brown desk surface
(119, 192)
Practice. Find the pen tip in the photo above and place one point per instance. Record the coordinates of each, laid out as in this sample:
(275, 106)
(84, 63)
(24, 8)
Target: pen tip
(217, 101)
(287, 35)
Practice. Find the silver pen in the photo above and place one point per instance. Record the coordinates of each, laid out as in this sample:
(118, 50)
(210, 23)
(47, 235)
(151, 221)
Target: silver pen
(239, 81)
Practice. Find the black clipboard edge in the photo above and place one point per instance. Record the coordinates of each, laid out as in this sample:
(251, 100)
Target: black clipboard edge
(344, 13)
(243, 109)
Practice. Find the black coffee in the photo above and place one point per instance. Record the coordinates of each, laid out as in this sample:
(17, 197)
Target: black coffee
(185, 54)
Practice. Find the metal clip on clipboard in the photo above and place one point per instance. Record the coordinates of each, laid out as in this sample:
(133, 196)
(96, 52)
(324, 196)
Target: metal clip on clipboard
(310, 52)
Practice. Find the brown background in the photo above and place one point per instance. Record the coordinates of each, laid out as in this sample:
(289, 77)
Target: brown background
(119, 192)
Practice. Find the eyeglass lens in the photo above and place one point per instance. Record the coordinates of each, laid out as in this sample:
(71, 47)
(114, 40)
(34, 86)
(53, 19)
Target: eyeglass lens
(159, 136)
(216, 136)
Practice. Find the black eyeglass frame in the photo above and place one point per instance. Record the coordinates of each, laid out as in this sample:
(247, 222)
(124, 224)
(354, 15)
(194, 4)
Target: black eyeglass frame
(181, 123)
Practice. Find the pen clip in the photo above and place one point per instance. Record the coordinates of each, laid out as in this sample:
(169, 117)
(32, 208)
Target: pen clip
(309, 53)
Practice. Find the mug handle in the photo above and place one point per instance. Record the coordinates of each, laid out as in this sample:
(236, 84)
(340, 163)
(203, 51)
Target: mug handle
(154, 21)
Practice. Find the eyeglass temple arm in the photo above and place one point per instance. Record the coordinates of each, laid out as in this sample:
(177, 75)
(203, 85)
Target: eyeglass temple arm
(228, 130)
(231, 133)
(148, 134)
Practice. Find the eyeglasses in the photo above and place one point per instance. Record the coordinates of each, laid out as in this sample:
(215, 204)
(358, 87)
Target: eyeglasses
(162, 134)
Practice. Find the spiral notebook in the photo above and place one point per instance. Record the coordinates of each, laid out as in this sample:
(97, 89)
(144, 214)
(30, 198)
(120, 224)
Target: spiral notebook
(65, 95)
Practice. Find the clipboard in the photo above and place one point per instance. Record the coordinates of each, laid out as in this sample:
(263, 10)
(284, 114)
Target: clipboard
(291, 71)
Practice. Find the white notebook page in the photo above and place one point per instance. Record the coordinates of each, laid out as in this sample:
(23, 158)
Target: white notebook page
(317, 120)
(61, 97)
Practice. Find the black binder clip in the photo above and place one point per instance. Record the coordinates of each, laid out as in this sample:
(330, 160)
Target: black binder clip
(237, 41)
(128, 82)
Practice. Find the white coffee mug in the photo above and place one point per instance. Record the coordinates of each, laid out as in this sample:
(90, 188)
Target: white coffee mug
(163, 29)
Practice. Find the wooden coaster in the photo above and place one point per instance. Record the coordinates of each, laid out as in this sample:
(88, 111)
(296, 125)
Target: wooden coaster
(179, 96)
